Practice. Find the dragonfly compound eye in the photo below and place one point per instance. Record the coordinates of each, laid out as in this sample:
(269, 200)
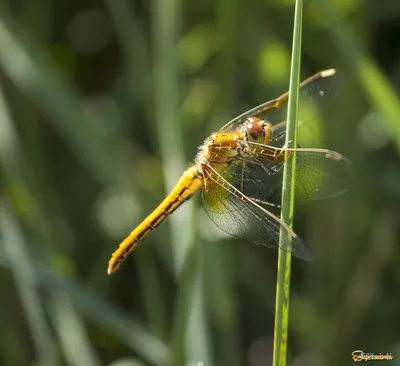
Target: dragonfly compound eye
(255, 128)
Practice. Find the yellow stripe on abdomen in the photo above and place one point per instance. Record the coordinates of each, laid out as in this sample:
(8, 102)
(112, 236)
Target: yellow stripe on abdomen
(190, 182)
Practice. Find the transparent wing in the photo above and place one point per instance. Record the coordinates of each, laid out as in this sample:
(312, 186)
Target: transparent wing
(319, 173)
(241, 216)
(314, 94)
(255, 178)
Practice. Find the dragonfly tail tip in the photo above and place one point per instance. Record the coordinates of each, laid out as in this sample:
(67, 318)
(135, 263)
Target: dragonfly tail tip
(328, 73)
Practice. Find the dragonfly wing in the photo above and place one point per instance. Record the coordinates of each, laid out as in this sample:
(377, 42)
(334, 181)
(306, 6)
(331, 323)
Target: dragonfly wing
(315, 92)
(240, 216)
(319, 173)
(255, 178)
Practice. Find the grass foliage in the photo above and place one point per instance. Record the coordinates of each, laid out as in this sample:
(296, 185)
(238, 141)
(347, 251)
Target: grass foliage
(102, 104)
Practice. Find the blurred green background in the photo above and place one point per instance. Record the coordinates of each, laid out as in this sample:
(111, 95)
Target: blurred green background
(102, 107)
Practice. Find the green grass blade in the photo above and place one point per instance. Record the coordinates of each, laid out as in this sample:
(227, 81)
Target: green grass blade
(15, 247)
(72, 332)
(43, 83)
(283, 278)
(26, 284)
(127, 329)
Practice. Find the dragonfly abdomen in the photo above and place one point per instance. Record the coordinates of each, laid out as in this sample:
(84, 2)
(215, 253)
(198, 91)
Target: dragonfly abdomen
(189, 183)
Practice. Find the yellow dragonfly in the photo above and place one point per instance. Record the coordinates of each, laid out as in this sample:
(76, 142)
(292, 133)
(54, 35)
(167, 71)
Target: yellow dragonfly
(239, 167)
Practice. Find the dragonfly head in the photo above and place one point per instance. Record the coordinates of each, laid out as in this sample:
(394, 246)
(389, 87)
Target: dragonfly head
(257, 130)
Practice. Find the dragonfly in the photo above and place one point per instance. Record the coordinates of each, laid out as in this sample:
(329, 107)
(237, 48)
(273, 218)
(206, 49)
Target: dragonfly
(239, 168)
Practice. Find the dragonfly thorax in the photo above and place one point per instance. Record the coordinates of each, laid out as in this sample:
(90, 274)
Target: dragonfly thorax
(257, 130)
(220, 149)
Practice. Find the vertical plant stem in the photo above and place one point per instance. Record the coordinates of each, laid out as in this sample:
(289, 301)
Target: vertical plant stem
(284, 260)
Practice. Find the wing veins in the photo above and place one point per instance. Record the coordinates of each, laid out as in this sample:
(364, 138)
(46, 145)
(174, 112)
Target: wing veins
(277, 102)
(242, 196)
